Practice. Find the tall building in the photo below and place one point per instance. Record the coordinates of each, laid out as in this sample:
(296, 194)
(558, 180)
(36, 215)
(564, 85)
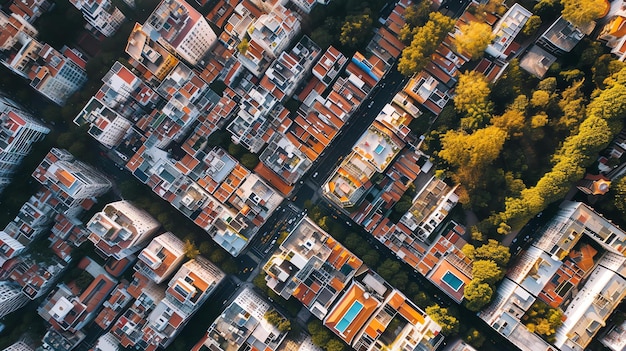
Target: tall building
(19, 346)
(11, 298)
(181, 29)
(74, 183)
(54, 74)
(9, 247)
(102, 15)
(121, 229)
(18, 131)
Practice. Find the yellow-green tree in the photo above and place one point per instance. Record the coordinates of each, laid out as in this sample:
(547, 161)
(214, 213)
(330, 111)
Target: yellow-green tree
(471, 154)
(473, 38)
(449, 323)
(477, 294)
(472, 99)
(355, 30)
(582, 12)
(425, 41)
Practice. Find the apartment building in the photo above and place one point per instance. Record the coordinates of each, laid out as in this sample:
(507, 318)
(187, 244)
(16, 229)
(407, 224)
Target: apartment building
(74, 183)
(18, 131)
(11, 298)
(181, 29)
(101, 15)
(161, 257)
(121, 229)
(368, 306)
(243, 326)
(312, 267)
(576, 265)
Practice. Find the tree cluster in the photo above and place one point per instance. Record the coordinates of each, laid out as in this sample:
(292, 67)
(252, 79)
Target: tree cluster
(602, 122)
(424, 41)
(281, 323)
(473, 38)
(449, 323)
(488, 267)
(323, 338)
(543, 320)
(582, 12)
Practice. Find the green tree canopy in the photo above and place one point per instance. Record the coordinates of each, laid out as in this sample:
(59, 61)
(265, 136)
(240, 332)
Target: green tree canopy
(473, 38)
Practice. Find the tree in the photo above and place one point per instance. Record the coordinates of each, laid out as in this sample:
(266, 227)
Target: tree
(495, 251)
(512, 122)
(242, 47)
(543, 320)
(388, 269)
(416, 15)
(541, 98)
(477, 295)
(486, 271)
(217, 255)
(474, 338)
(449, 323)
(334, 345)
(619, 189)
(572, 104)
(249, 160)
(582, 12)
(190, 249)
(472, 153)
(356, 30)
(532, 24)
(425, 41)
(473, 38)
(472, 99)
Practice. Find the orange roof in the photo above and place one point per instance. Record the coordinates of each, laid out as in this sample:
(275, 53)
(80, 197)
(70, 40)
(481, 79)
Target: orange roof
(411, 314)
(65, 177)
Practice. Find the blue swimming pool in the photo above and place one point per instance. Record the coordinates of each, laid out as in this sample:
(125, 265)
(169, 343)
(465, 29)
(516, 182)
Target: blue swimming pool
(348, 317)
(452, 280)
(379, 149)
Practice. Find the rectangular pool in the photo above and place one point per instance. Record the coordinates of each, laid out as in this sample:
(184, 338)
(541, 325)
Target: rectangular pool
(379, 149)
(349, 316)
(452, 280)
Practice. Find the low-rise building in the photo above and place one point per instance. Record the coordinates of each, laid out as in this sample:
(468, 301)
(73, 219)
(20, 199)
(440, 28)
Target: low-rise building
(369, 306)
(576, 265)
(312, 267)
(74, 183)
(243, 326)
(562, 36)
(505, 31)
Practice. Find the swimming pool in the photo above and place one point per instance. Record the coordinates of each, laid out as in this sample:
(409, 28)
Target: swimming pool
(379, 149)
(349, 316)
(452, 280)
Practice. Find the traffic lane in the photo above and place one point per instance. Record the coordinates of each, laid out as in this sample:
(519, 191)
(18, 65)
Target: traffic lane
(356, 125)
(246, 265)
(268, 240)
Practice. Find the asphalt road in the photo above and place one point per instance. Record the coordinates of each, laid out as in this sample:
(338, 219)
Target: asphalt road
(356, 125)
